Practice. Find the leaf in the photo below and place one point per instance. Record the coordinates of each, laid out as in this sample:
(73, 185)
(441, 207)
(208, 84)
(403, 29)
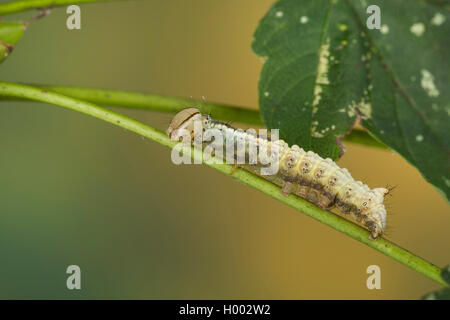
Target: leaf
(445, 274)
(323, 65)
(4, 52)
(443, 294)
(313, 73)
(10, 33)
(410, 97)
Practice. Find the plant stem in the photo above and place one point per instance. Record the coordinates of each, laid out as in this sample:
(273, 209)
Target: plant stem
(338, 223)
(157, 103)
(17, 6)
(168, 104)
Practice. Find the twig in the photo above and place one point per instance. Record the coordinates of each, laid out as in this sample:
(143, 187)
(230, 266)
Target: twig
(18, 6)
(386, 247)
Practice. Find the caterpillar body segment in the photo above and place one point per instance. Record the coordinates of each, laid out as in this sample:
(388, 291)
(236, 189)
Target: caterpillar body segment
(303, 173)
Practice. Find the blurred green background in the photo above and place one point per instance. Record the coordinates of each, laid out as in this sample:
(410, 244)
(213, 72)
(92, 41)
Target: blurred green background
(75, 190)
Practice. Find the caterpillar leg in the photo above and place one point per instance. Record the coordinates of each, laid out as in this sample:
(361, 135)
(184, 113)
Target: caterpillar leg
(288, 188)
(302, 192)
(320, 200)
(315, 196)
(324, 202)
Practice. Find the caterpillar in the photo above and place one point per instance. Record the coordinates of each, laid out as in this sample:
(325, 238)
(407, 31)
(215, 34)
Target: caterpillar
(303, 173)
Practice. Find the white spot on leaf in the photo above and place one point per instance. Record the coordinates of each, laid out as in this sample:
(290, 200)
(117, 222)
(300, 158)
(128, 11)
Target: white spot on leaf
(447, 182)
(417, 29)
(363, 106)
(279, 14)
(438, 19)
(427, 83)
(419, 138)
(322, 73)
(384, 29)
(304, 19)
(314, 132)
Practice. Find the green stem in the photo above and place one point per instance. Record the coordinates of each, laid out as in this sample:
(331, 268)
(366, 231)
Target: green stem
(17, 6)
(157, 103)
(338, 223)
(168, 104)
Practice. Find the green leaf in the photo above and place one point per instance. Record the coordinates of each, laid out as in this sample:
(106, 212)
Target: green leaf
(445, 274)
(410, 97)
(10, 33)
(4, 52)
(323, 65)
(313, 73)
(443, 294)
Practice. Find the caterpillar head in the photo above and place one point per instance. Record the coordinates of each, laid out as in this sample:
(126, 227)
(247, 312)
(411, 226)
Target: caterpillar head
(185, 121)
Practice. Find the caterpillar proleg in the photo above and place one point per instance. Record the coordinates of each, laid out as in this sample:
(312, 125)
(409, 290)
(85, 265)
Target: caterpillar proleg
(303, 173)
